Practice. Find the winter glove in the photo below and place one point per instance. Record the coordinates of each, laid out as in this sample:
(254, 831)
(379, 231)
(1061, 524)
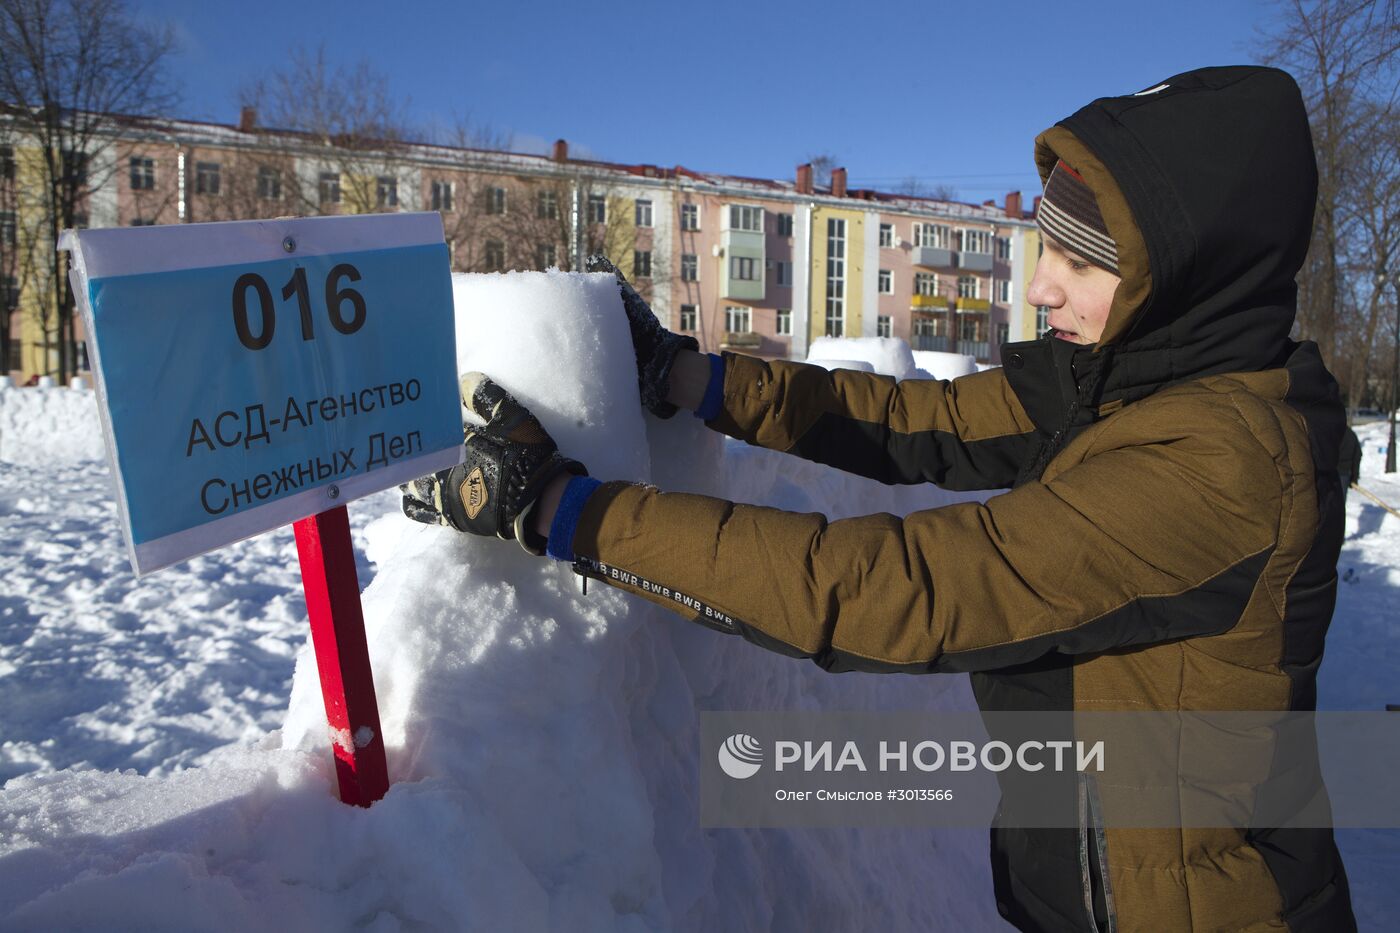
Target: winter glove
(508, 464)
(655, 346)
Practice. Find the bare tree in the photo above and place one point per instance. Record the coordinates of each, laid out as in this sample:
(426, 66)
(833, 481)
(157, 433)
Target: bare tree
(915, 187)
(1344, 55)
(822, 163)
(67, 67)
(344, 122)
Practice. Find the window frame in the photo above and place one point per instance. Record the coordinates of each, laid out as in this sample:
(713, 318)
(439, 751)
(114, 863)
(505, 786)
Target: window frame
(597, 208)
(208, 178)
(328, 188)
(269, 183)
(142, 173)
(441, 195)
(386, 191)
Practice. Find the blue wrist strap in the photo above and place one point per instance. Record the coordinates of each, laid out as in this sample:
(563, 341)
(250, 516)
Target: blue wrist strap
(565, 523)
(712, 404)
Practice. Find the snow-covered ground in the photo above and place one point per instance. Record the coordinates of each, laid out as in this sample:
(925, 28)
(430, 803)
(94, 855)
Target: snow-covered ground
(542, 742)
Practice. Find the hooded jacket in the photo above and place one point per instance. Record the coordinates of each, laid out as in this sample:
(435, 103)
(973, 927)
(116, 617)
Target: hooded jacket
(1170, 540)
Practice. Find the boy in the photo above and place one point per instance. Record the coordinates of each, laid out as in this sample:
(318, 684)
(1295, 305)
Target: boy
(1170, 539)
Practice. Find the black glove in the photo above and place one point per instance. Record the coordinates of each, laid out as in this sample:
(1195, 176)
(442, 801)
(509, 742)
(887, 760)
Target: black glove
(655, 346)
(508, 464)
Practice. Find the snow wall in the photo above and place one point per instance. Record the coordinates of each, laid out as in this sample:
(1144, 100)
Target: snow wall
(542, 743)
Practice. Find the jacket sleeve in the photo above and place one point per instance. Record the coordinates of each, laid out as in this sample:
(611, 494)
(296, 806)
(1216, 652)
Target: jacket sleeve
(1134, 544)
(967, 433)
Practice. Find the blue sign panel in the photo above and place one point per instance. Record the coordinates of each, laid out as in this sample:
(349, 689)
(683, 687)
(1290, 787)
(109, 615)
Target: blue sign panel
(241, 396)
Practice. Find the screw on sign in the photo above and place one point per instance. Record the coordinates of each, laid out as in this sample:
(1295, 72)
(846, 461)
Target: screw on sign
(183, 331)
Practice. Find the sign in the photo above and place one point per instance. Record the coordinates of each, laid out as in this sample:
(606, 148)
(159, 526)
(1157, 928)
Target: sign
(253, 373)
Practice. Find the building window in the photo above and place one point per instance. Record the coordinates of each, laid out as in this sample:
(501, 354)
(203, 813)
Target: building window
(206, 178)
(597, 209)
(884, 326)
(75, 167)
(782, 322)
(328, 187)
(934, 236)
(643, 213)
(976, 241)
(737, 320)
(1042, 319)
(641, 263)
(784, 224)
(835, 277)
(782, 272)
(441, 196)
(924, 328)
(744, 217)
(690, 267)
(968, 286)
(9, 301)
(7, 164)
(886, 282)
(9, 232)
(1004, 248)
(143, 174)
(386, 191)
(545, 256)
(690, 217)
(1003, 288)
(926, 284)
(269, 184)
(887, 236)
(688, 317)
(1003, 333)
(142, 222)
(495, 256)
(495, 201)
(547, 205)
(743, 268)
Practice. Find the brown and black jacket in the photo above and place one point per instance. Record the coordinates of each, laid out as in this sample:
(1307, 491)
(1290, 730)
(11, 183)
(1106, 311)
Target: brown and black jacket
(1170, 538)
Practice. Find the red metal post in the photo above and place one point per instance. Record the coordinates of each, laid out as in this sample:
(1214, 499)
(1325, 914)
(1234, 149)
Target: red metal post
(338, 634)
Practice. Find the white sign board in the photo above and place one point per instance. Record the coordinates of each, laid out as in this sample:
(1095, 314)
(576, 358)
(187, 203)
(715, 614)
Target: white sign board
(253, 373)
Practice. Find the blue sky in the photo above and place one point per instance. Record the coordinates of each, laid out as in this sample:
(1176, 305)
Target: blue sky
(944, 92)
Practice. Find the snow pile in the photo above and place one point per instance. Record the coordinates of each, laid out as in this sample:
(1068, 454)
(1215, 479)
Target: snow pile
(887, 355)
(860, 366)
(542, 743)
(945, 365)
(49, 426)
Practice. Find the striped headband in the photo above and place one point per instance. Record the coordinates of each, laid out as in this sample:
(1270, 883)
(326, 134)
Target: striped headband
(1070, 214)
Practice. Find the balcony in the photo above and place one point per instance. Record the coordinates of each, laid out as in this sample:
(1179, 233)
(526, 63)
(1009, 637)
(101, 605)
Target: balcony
(932, 257)
(748, 247)
(975, 262)
(940, 344)
(748, 340)
(940, 303)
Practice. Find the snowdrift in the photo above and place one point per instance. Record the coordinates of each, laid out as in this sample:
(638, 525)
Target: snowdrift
(542, 743)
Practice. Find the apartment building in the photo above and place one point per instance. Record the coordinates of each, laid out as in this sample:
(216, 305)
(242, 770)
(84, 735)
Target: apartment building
(762, 266)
